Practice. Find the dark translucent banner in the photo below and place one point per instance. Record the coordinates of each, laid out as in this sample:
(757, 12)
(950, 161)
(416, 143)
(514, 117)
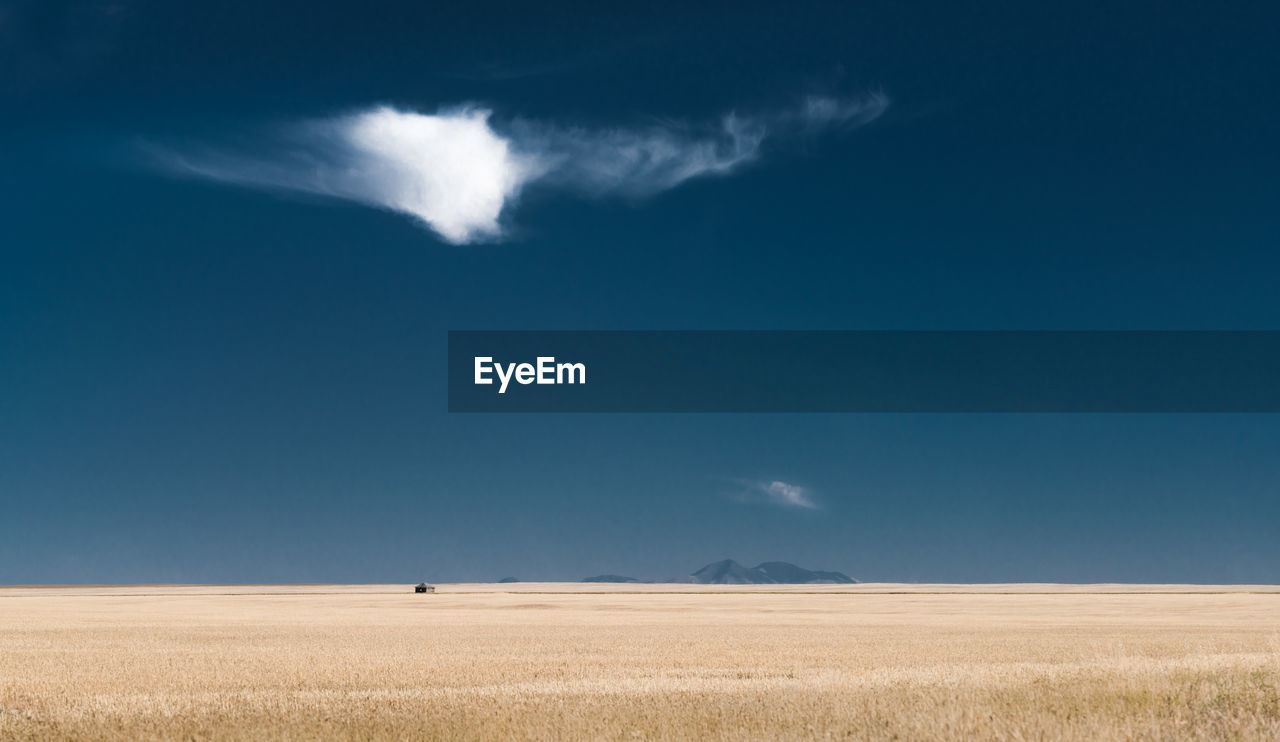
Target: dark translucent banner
(858, 371)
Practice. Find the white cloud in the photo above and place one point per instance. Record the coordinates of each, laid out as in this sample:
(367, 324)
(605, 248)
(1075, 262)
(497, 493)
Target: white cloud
(640, 162)
(458, 174)
(449, 170)
(790, 495)
(776, 493)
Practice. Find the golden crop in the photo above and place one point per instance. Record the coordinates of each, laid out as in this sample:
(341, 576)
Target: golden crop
(532, 661)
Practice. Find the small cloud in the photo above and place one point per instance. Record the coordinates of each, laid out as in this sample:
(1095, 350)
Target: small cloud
(459, 172)
(448, 170)
(775, 492)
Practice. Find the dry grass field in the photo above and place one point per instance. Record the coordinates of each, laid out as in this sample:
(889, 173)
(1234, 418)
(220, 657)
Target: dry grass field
(542, 661)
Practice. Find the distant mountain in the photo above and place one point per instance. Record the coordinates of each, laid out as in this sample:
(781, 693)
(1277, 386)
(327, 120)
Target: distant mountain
(786, 573)
(509, 579)
(729, 572)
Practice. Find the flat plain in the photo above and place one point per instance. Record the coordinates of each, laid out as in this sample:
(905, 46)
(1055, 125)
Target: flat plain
(577, 661)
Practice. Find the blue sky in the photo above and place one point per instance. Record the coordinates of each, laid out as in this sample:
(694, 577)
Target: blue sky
(207, 374)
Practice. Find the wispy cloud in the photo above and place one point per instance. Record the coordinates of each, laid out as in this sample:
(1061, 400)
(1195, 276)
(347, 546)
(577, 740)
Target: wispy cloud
(775, 492)
(459, 172)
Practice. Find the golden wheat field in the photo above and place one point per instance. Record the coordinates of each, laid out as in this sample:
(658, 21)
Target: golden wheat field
(548, 661)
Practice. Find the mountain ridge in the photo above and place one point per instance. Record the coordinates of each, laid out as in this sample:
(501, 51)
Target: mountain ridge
(729, 572)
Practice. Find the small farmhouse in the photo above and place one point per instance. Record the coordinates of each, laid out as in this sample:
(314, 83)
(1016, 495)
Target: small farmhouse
(423, 587)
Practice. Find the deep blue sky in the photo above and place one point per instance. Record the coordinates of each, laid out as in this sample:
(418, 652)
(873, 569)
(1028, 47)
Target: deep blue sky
(204, 383)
